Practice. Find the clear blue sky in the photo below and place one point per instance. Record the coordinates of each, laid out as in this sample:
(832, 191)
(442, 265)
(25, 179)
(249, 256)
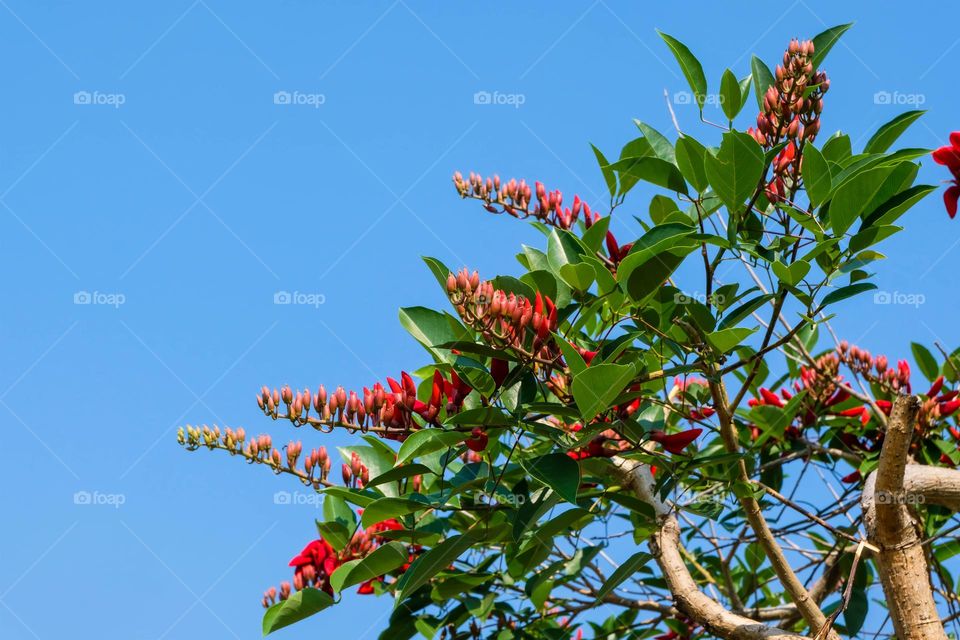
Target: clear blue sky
(184, 188)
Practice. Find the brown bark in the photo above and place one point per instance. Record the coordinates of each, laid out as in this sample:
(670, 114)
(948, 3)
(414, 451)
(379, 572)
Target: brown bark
(689, 599)
(894, 529)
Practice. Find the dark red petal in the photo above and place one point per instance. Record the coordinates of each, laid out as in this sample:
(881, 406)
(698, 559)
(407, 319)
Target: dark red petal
(852, 477)
(955, 139)
(948, 156)
(950, 197)
(676, 442)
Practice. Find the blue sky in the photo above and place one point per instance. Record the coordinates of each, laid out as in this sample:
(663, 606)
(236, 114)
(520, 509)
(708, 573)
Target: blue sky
(145, 161)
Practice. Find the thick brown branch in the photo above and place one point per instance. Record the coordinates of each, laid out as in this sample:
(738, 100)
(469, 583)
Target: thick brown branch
(893, 528)
(665, 547)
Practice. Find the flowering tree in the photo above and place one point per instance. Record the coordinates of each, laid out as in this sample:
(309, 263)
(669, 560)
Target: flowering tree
(594, 448)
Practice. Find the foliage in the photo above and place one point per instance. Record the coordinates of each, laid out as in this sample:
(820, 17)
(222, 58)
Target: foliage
(492, 498)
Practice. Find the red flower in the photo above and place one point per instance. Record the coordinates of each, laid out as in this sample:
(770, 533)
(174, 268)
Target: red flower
(852, 477)
(675, 442)
(499, 369)
(935, 388)
(319, 556)
(949, 156)
(770, 397)
(478, 440)
(948, 408)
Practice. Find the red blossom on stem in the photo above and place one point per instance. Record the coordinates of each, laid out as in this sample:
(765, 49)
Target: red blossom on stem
(949, 156)
(675, 442)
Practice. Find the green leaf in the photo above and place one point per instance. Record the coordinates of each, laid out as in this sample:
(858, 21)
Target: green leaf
(562, 248)
(793, 274)
(652, 170)
(762, 79)
(572, 357)
(425, 441)
(837, 148)
(361, 498)
(399, 473)
(735, 171)
(846, 292)
(593, 237)
(596, 387)
(925, 360)
(386, 508)
(384, 559)
(431, 563)
(645, 278)
(335, 533)
(816, 175)
(823, 42)
(730, 95)
(653, 258)
(431, 327)
(624, 571)
(578, 276)
(690, 159)
(558, 471)
(888, 133)
(853, 197)
(744, 91)
(489, 416)
(735, 316)
(439, 270)
(899, 204)
(691, 67)
(856, 612)
(336, 509)
(726, 339)
(300, 605)
(659, 144)
(608, 175)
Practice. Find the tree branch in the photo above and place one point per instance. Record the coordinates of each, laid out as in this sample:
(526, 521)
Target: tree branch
(689, 599)
(893, 528)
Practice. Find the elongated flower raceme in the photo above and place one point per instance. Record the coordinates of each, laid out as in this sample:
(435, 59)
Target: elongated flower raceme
(520, 201)
(791, 113)
(319, 560)
(387, 411)
(507, 320)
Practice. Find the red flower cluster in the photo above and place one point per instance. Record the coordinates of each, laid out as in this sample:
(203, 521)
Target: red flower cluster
(389, 413)
(515, 198)
(792, 105)
(950, 157)
(862, 362)
(505, 320)
(675, 442)
(259, 449)
(791, 112)
(316, 563)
